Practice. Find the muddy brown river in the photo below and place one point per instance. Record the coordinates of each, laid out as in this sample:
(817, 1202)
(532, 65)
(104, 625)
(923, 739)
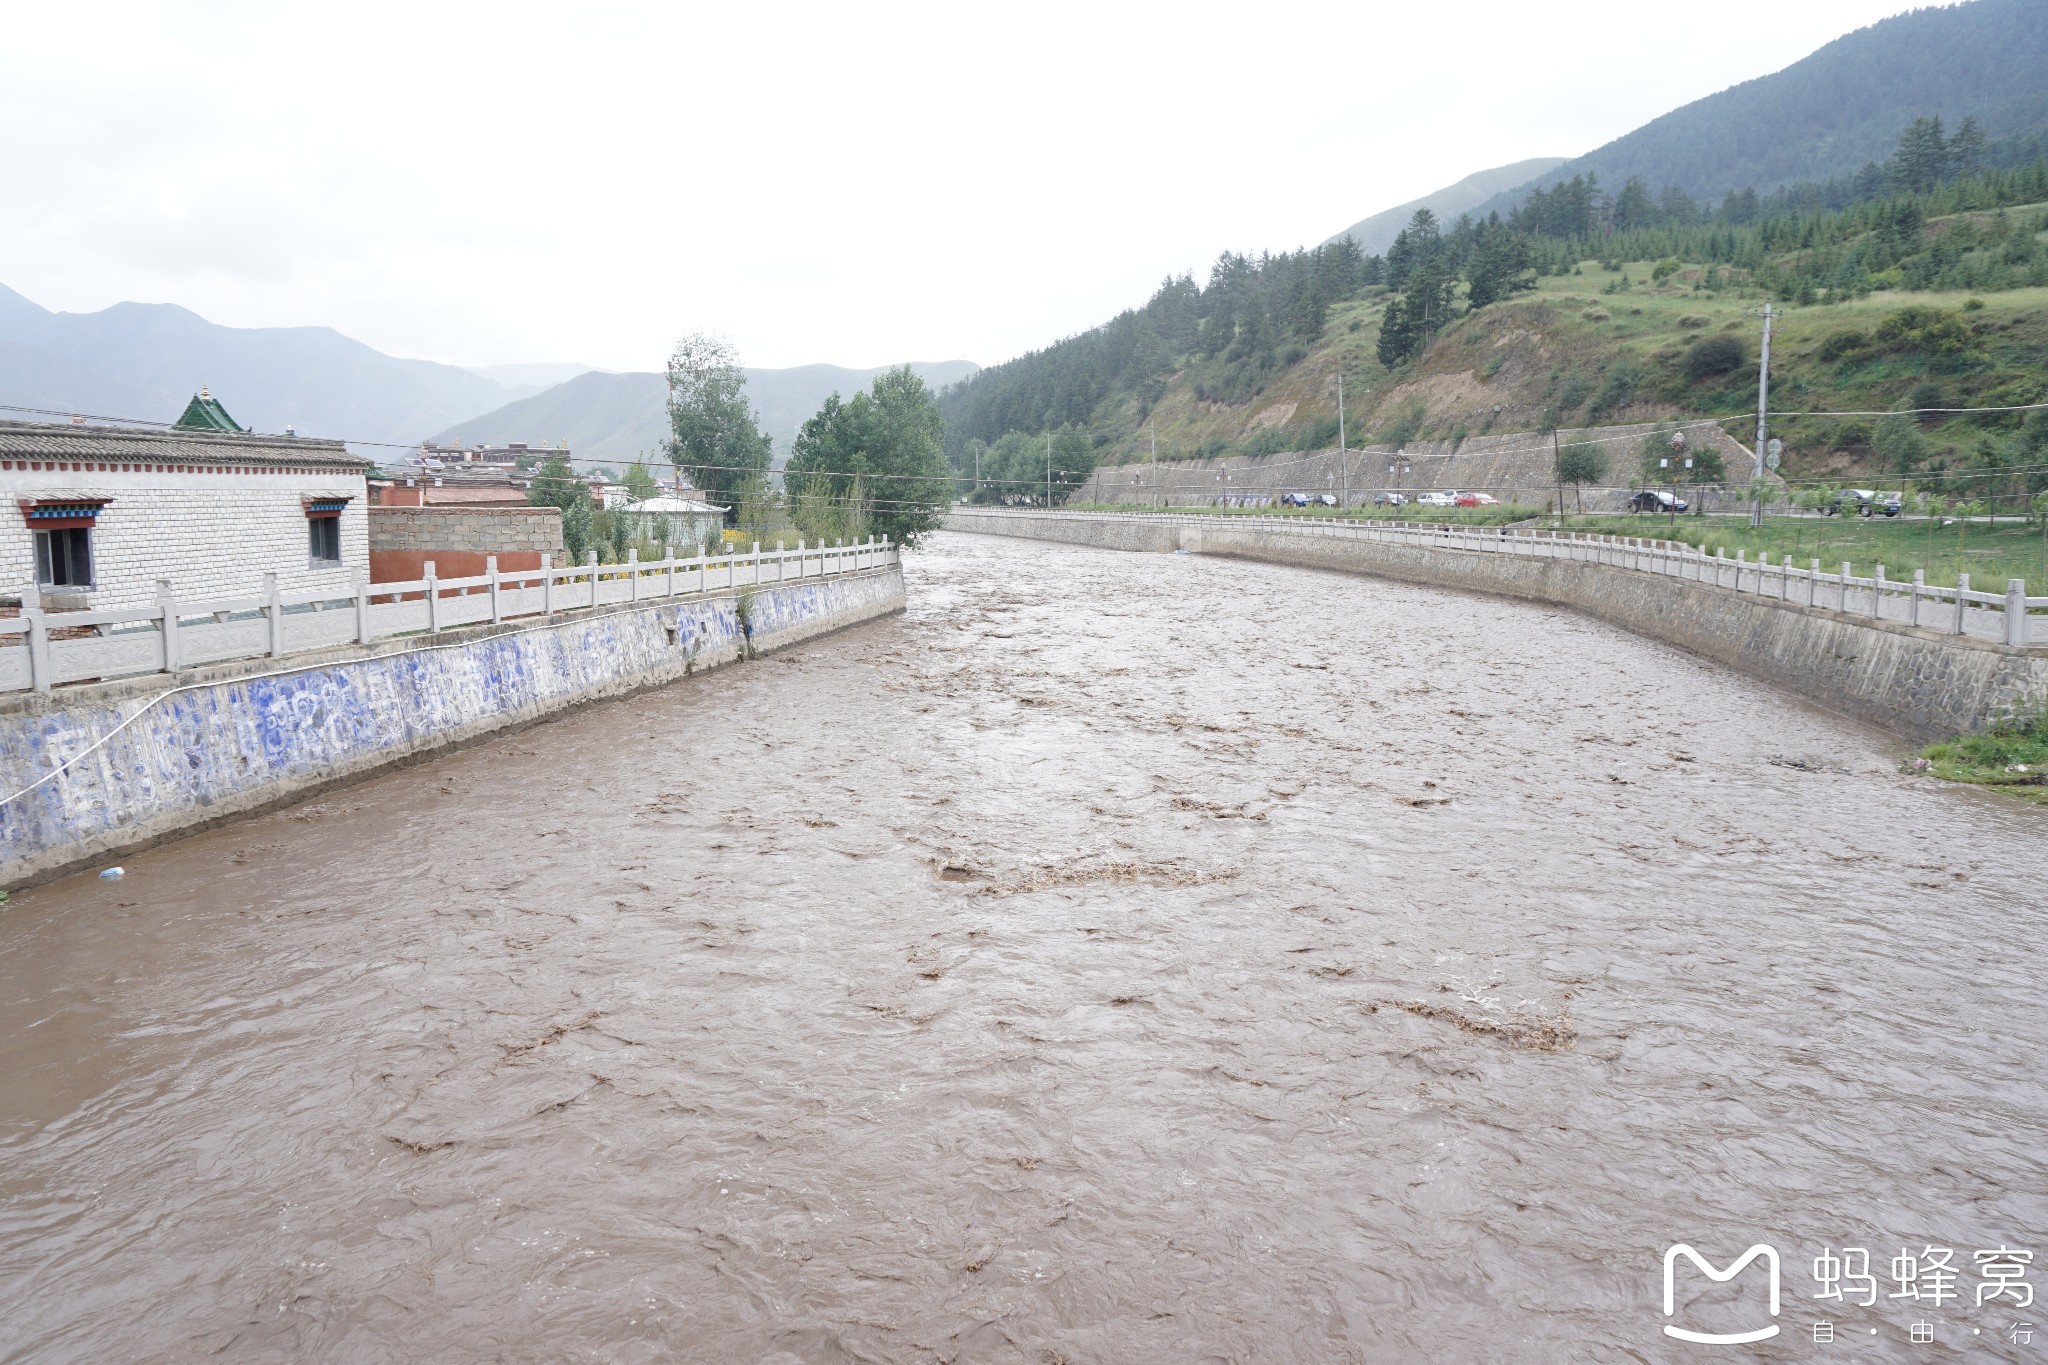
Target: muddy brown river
(1119, 958)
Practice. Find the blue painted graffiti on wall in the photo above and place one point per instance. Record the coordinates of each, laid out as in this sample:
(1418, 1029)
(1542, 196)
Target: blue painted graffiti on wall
(193, 750)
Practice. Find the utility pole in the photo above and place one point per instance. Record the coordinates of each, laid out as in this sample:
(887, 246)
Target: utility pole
(1763, 412)
(1048, 471)
(977, 471)
(1156, 465)
(1557, 470)
(1343, 458)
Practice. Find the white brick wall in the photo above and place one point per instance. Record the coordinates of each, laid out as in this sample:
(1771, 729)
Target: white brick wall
(212, 535)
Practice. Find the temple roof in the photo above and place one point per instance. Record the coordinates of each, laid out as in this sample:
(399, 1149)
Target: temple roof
(204, 413)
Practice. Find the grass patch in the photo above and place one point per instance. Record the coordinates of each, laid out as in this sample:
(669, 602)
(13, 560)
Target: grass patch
(2012, 756)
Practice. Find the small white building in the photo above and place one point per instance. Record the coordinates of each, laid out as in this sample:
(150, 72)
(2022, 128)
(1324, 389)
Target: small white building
(94, 516)
(676, 521)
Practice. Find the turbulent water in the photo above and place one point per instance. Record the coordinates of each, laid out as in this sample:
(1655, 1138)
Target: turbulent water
(1119, 958)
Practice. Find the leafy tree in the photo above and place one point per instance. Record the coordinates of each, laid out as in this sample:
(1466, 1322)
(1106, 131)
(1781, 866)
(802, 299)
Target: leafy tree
(1073, 460)
(555, 485)
(640, 482)
(715, 438)
(885, 447)
(1579, 465)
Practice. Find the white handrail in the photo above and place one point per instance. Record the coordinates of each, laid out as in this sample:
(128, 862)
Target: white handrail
(2007, 617)
(168, 635)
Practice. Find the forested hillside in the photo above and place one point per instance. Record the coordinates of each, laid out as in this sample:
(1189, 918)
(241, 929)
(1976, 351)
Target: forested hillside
(1578, 308)
(1801, 185)
(1831, 113)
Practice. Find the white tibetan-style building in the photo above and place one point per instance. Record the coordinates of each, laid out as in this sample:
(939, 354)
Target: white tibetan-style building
(675, 520)
(96, 516)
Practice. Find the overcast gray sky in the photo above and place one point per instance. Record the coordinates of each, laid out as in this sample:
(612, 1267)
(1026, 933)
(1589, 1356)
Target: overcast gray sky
(860, 184)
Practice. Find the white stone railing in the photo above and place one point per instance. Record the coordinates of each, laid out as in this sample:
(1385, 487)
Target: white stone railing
(74, 646)
(2009, 617)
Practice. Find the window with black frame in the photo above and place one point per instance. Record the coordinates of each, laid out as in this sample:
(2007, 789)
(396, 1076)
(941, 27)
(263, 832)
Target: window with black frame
(323, 539)
(64, 557)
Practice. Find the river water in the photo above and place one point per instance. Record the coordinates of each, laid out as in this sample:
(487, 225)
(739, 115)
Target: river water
(1119, 958)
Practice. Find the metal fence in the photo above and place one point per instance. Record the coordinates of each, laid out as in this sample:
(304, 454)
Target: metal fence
(2009, 617)
(76, 646)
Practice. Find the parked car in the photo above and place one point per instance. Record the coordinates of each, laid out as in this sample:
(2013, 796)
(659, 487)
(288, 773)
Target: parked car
(1324, 500)
(1655, 500)
(1864, 502)
(1477, 500)
(1436, 500)
(1390, 500)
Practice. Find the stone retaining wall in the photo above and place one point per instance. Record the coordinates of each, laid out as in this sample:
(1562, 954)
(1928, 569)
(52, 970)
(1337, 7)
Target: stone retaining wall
(1914, 682)
(1517, 467)
(236, 738)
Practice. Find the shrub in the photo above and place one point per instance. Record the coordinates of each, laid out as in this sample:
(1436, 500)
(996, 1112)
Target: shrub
(1840, 344)
(1973, 305)
(1898, 445)
(1692, 322)
(1665, 269)
(1930, 331)
(1619, 389)
(1711, 356)
(1851, 435)
(1927, 394)
(1595, 315)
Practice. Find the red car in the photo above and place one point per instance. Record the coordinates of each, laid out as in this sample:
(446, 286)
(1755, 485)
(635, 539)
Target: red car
(1477, 500)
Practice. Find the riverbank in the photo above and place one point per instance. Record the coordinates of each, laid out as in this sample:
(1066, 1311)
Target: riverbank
(1914, 681)
(155, 757)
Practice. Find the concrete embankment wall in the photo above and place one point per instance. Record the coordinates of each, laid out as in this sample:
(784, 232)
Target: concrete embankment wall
(239, 738)
(1915, 682)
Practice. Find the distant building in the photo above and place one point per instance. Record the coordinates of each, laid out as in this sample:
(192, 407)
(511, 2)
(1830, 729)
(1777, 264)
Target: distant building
(671, 520)
(101, 514)
(495, 488)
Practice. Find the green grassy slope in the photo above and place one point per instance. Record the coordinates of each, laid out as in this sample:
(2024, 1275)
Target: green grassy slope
(1610, 345)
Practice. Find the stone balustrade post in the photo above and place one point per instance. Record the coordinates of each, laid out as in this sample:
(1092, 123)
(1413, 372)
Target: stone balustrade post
(362, 596)
(273, 611)
(167, 603)
(433, 599)
(38, 636)
(2016, 612)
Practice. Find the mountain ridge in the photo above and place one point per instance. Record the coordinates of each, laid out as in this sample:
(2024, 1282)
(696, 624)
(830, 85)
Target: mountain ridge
(1837, 109)
(1376, 233)
(618, 416)
(145, 360)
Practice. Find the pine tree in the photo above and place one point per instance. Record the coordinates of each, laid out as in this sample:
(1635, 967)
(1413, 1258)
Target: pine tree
(1922, 160)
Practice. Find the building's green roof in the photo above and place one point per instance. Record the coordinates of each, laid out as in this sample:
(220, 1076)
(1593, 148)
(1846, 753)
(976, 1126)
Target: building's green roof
(204, 413)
